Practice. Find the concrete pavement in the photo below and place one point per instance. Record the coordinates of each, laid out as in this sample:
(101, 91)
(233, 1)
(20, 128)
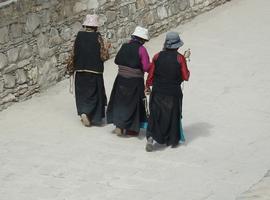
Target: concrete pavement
(46, 154)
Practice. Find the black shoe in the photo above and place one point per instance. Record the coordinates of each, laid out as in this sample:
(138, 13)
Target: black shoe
(175, 145)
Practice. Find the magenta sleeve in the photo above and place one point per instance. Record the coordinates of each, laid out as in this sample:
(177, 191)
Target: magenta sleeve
(144, 58)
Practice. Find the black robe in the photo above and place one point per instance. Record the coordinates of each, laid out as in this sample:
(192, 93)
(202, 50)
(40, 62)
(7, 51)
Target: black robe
(165, 118)
(90, 96)
(89, 87)
(126, 106)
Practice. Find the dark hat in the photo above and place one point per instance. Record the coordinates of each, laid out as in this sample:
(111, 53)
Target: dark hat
(173, 41)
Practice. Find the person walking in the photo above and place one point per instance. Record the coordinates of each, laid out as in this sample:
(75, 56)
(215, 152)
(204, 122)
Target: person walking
(168, 70)
(90, 52)
(126, 108)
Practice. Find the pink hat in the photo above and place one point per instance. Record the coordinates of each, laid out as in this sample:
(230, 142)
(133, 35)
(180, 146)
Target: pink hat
(91, 20)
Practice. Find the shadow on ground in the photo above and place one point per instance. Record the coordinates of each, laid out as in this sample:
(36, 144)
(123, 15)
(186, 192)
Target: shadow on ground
(197, 130)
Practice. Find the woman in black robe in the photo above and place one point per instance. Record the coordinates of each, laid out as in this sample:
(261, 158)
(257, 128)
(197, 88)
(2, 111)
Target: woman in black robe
(167, 71)
(126, 108)
(90, 52)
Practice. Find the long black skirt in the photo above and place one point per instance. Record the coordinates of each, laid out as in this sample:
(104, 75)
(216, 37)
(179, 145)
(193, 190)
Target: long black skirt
(126, 108)
(90, 96)
(164, 119)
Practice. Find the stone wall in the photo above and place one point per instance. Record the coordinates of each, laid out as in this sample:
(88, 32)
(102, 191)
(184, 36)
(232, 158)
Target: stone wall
(37, 35)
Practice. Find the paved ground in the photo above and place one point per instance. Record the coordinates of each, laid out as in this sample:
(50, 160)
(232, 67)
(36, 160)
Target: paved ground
(259, 191)
(45, 153)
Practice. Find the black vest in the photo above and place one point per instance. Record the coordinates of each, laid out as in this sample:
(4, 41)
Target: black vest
(87, 52)
(128, 55)
(167, 74)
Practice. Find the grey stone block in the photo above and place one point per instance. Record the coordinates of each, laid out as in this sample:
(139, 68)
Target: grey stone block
(32, 74)
(92, 4)
(111, 16)
(13, 54)
(9, 80)
(124, 11)
(16, 30)
(162, 12)
(21, 76)
(10, 68)
(66, 33)
(23, 63)
(3, 61)
(33, 21)
(26, 51)
(4, 35)
(1, 86)
(79, 7)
